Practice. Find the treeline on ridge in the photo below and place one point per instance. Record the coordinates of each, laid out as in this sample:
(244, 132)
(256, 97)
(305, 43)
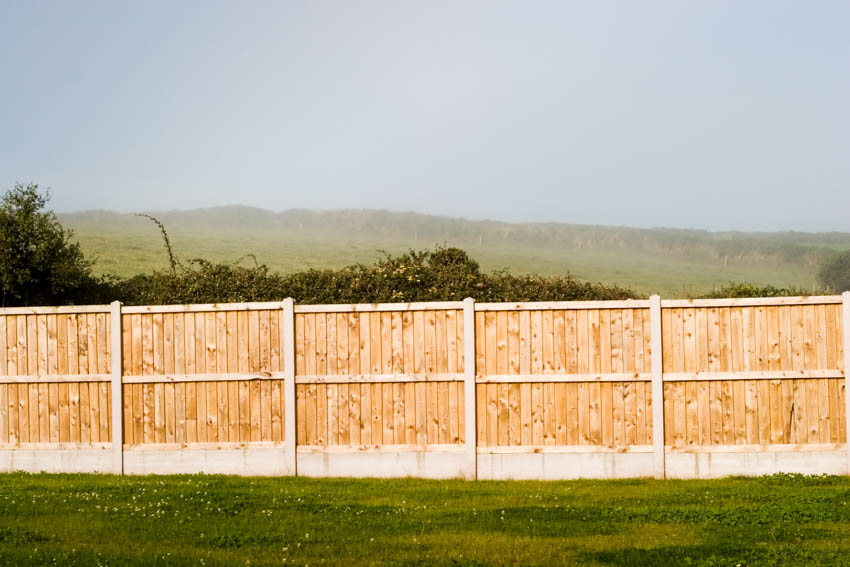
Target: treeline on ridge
(41, 265)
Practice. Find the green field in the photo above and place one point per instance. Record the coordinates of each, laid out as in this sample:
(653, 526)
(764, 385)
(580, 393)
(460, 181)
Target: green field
(219, 520)
(667, 261)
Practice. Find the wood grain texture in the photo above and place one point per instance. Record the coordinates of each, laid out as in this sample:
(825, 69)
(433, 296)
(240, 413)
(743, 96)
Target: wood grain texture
(741, 373)
(54, 376)
(379, 376)
(562, 376)
(759, 373)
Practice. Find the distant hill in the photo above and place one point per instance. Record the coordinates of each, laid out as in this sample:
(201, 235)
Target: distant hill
(656, 259)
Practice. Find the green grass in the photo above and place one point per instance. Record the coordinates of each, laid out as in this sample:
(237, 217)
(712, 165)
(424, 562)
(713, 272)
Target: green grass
(218, 520)
(670, 262)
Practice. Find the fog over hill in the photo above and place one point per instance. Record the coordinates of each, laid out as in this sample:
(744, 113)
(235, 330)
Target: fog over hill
(646, 258)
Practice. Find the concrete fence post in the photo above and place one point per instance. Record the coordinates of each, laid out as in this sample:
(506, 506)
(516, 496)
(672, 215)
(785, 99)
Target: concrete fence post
(288, 341)
(845, 329)
(469, 401)
(117, 388)
(656, 346)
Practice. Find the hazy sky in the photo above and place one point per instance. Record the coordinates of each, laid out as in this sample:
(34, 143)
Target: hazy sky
(713, 114)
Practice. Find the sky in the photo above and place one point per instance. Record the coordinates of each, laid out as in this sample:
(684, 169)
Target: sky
(715, 115)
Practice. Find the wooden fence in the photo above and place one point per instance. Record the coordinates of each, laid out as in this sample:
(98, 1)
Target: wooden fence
(481, 383)
(379, 377)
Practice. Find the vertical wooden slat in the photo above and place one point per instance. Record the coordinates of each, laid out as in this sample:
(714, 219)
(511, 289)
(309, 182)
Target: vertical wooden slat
(61, 368)
(197, 395)
(354, 390)
(810, 360)
(11, 409)
(4, 410)
(595, 389)
(14, 414)
(255, 354)
(135, 369)
(502, 368)
(94, 390)
(208, 352)
(364, 323)
(310, 368)
(4, 350)
(407, 363)
(606, 390)
(72, 367)
(43, 415)
(376, 394)
(15, 409)
(321, 389)
(583, 367)
(629, 388)
(231, 364)
(28, 335)
(396, 364)
(571, 367)
(716, 321)
(677, 418)
(17, 326)
(515, 425)
(145, 368)
(755, 421)
(822, 385)
(703, 360)
(221, 356)
(343, 390)
(168, 368)
(321, 411)
(53, 408)
(159, 388)
(180, 395)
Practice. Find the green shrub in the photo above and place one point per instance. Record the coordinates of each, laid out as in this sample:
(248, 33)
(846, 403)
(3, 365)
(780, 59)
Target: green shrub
(39, 265)
(444, 274)
(835, 273)
(743, 289)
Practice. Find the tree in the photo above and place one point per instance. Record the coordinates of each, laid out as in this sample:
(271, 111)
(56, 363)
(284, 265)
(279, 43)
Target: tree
(39, 265)
(834, 274)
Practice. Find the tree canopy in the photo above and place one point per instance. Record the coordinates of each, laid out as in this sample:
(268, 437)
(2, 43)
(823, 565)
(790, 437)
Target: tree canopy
(835, 273)
(39, 264)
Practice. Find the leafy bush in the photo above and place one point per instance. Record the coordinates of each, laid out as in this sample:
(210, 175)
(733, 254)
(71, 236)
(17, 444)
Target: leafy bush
(444, 274)
(39, 265)
(743, 289)
(834, 274)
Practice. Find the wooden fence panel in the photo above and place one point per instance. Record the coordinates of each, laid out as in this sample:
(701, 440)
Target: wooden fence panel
(753, 338)
(211, 412)
(773, 375)
(203, 376)
(564, 377)
(202, 342)
(755, 412)
(380, 377)
(41, 353)
(736, 373)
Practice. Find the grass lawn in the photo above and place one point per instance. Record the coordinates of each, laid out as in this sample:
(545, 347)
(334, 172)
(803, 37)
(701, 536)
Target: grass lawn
(219, 520)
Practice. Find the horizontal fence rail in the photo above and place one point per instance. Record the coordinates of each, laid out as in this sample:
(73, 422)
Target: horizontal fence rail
(696, 387)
